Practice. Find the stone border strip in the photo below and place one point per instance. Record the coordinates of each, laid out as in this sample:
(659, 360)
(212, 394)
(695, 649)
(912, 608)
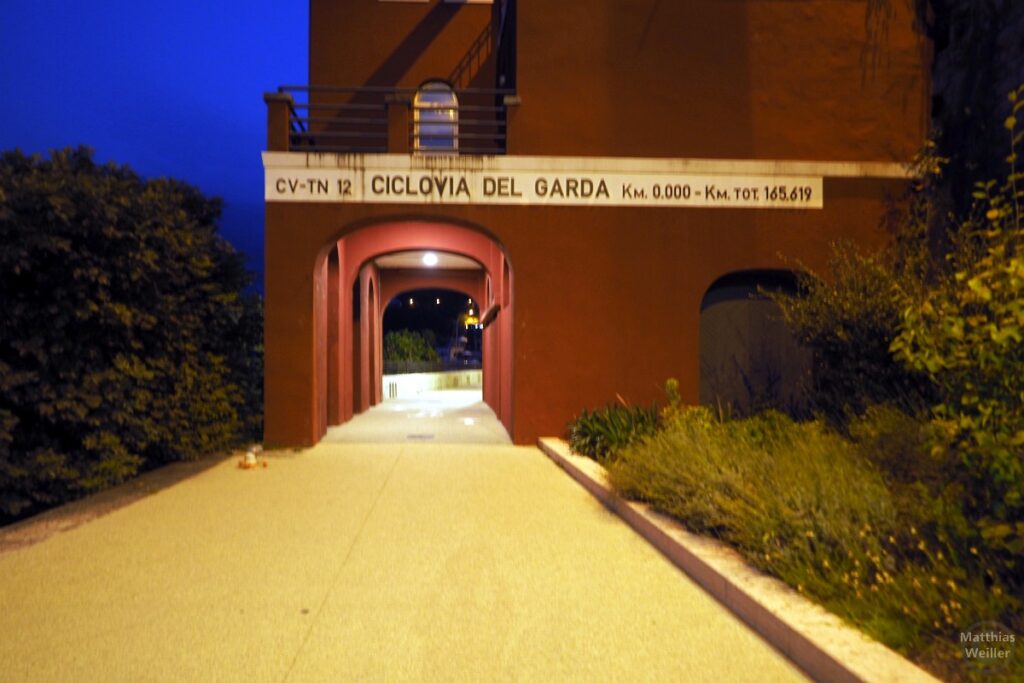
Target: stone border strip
(819, 642)
(37, 528)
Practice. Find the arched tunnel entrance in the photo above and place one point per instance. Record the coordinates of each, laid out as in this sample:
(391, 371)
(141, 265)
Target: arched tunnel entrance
(430, 330)
(366, 269)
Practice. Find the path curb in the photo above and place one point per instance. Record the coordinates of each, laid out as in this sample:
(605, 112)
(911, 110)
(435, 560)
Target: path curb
(819, 642)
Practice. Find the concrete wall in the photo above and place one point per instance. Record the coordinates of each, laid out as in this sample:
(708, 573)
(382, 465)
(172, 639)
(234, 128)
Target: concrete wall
(607, 300)
(758, 79)
(764, 79)
(413, 384)
(373, 43)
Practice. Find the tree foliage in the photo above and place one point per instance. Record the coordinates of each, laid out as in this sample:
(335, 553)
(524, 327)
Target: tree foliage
(978, 56)
(967, 335)
(937, 330)
(126, 340)
(409, 346)
(848, 322)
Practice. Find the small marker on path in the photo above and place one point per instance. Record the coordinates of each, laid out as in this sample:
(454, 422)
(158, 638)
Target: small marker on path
(250, 460)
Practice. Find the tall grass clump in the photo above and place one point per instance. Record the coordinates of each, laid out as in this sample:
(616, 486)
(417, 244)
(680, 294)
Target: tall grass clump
(804, 504)
(600, 434)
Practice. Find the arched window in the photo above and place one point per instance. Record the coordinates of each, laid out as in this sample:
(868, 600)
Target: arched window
(436, 118)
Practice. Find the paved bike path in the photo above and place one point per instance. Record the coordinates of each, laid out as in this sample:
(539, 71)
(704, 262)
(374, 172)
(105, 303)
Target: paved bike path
(366, 562)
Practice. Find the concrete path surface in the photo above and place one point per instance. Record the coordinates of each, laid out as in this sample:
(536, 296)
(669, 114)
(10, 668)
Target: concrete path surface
(442, 416)
(375, 562)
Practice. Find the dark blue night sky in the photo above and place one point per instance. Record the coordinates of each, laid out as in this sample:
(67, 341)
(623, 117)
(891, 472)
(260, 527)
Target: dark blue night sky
(169, 88)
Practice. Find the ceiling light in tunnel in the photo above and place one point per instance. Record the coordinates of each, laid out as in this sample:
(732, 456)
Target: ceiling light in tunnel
(430, 259)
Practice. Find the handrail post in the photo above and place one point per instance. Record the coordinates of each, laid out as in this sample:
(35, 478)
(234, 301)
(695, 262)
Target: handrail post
(279, 105)
(511, 104)
(398, 105)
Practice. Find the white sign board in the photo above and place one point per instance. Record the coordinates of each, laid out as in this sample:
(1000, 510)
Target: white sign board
(412, 183)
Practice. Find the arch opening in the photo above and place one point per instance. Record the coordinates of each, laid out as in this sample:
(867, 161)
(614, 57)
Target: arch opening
(372, 265)
(749, 359)
(432, 329)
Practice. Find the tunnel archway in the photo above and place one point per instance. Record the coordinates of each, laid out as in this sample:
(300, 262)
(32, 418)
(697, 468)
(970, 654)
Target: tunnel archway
(355, 285)
(432, 343)
(438, 315)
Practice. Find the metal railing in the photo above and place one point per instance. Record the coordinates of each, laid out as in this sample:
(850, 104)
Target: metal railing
(474, 59)
(404, 367)
(357, 120)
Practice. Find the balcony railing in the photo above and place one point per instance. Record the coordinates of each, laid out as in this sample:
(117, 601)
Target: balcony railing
(381, 119)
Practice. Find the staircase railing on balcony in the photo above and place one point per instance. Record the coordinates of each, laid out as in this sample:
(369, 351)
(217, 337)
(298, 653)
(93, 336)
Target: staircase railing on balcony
(364, 120)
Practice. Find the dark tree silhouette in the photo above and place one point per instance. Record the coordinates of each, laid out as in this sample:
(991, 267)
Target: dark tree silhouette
(126, 340)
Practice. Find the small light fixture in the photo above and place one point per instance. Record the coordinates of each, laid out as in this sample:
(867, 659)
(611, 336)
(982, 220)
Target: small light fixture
(471, 311)
(437, 301)
(412, 302)
(430, 259)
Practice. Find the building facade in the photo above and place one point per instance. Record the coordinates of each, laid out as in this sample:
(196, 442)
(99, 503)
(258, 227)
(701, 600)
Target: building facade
(597, 174)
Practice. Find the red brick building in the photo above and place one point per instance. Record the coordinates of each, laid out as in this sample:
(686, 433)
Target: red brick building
(602, 173)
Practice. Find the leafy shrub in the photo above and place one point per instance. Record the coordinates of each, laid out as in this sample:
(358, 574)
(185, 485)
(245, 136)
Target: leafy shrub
(407, 346)
(602, 433)
(967, 336)
(125, 340)
(942, 336)
(849, 322)
(243, 337)
(800, 502)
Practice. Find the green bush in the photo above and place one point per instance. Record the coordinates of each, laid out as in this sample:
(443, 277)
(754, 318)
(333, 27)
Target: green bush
(923, 479)
(407, 346)
(126, 340)
(900, 445)
(602, 433)
(967, 336)
(801, 502)
(848, 322)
